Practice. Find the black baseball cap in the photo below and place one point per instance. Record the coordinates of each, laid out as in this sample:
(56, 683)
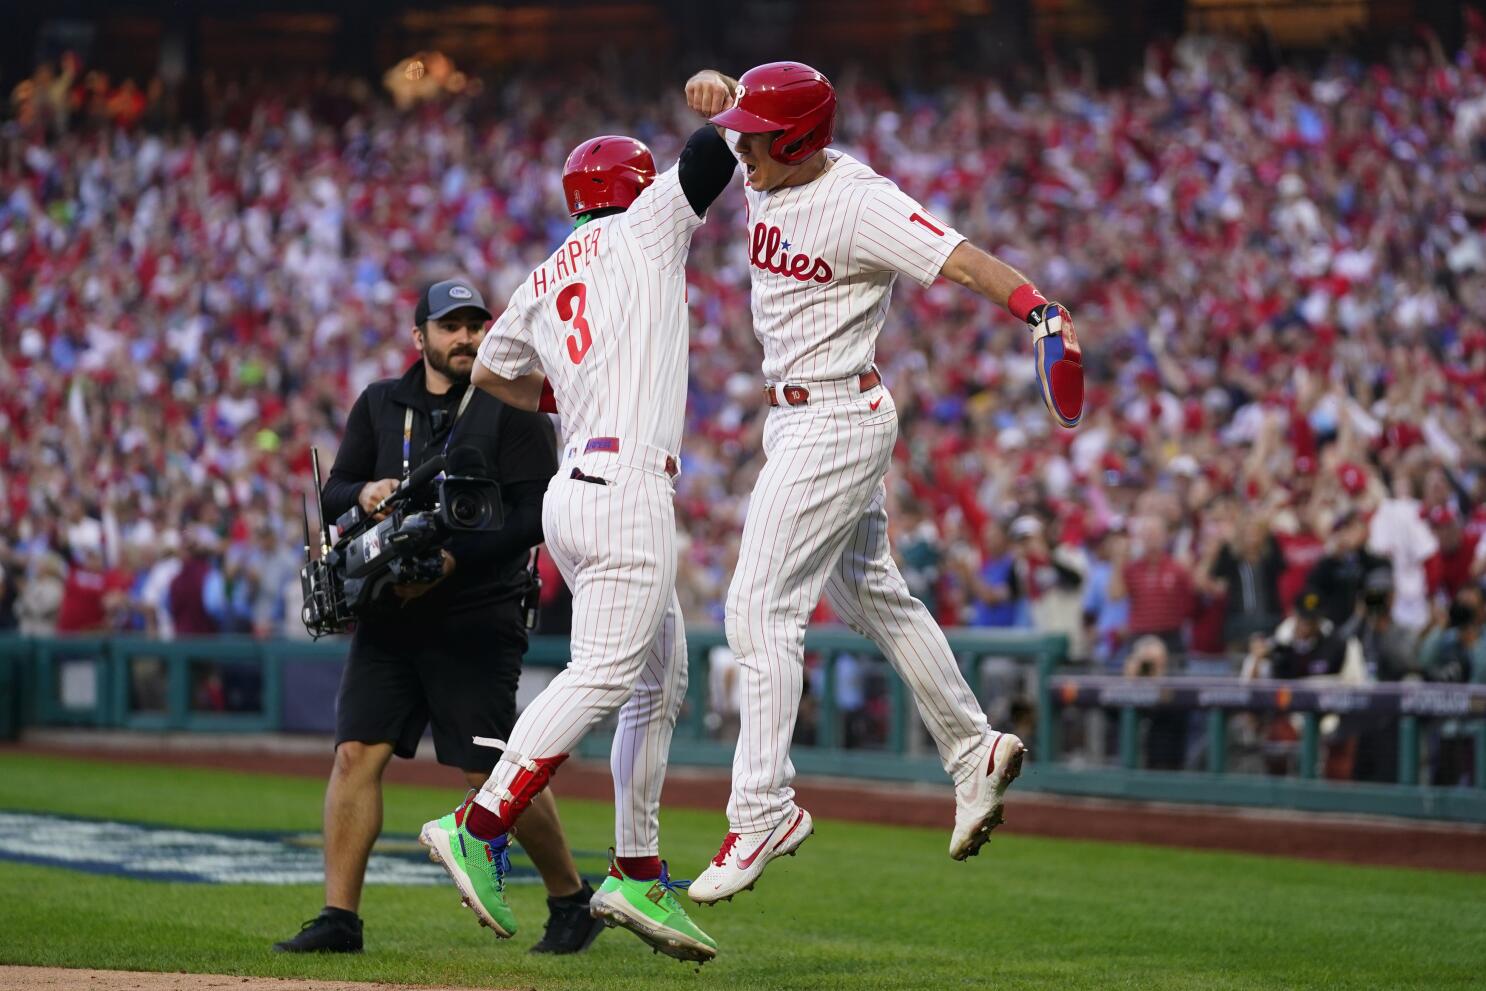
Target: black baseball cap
(443, 298)
(1308, 606)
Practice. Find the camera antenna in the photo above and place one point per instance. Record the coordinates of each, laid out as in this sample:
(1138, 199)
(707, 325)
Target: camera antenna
(304, 509)
(319, 504)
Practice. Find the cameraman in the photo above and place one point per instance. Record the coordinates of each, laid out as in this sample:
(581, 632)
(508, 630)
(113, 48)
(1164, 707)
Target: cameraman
(1166, 735)
(1389, 653)
(446, 651)
(1458, 656)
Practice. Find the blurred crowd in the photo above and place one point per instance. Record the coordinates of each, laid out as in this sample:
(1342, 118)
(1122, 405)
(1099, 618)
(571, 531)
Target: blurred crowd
(1279, 279)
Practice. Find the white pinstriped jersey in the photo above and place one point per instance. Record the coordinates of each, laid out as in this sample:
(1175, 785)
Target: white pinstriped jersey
(824, 257)
(605, 317)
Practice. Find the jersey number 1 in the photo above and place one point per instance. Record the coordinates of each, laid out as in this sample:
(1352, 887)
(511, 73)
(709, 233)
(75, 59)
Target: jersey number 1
(570, 304)
(920, 219)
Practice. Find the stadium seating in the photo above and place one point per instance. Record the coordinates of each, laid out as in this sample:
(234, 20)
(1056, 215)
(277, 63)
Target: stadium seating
(1280, 282)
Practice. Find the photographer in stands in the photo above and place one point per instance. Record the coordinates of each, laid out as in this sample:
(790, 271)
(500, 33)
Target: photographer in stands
(1166, 736)
(1388, 653)
(447, 651)
(1307, 647)
(1458, 656)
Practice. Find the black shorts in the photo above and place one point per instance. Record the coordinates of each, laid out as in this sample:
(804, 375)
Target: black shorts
(457, 672)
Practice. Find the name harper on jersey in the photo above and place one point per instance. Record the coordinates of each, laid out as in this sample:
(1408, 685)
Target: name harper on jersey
(766, 254)
(566, 261)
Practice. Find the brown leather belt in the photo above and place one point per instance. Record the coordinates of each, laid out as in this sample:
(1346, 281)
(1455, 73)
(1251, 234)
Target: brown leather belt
(798, 395)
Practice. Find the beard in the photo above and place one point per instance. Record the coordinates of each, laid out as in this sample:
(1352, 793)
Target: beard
(442, 363)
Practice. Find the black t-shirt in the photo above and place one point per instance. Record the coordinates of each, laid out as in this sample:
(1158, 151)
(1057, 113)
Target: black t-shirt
(1253, 586)
(520, 452)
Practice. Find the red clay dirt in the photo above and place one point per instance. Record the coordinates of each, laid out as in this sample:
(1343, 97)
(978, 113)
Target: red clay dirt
(1353, 840)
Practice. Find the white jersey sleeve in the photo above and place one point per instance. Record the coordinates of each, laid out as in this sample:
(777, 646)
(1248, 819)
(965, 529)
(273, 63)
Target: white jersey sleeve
(895, 234)
(662, 220)
(507, 349)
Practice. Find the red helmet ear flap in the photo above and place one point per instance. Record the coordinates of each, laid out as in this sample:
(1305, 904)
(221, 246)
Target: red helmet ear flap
(793, 147)
(787, 96)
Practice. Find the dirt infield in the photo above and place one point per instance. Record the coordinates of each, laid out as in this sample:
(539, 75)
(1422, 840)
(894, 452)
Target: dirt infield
(58, 979)
(1353, 840)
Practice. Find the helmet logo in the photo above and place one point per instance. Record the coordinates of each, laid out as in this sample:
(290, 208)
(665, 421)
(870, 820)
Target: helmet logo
(739, 93)
(607, 171)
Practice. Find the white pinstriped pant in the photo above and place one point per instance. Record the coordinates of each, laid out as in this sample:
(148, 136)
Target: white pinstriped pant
(817, 522)
(615, 545)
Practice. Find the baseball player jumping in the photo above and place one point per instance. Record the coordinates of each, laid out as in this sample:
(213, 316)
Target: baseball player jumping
(827, 238)
(605, 319)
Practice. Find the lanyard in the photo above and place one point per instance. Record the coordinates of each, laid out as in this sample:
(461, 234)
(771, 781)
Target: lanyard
(407, 428)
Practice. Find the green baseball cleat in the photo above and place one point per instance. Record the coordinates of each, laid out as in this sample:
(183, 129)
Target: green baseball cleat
(649, 909)
(478, 868)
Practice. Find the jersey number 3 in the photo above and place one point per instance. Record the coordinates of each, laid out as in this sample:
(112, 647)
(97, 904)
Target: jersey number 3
(570, 304)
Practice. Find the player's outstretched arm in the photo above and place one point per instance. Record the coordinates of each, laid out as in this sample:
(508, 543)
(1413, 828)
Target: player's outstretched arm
(705, 168)
(1060, 369)
(710, 92)
(529, 392)
(984, 273)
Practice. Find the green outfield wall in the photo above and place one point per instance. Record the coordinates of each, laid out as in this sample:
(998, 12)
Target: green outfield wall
(242, 685)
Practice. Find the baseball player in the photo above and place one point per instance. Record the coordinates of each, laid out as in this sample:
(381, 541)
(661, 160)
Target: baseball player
(827, 239)
(605, 319)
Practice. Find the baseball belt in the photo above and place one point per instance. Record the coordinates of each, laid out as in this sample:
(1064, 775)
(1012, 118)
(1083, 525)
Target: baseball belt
(799, 395)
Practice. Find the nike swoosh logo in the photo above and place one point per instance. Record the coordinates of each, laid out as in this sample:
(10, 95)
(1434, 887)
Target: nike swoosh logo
(745, 864)
(874, 404)
(994, 747)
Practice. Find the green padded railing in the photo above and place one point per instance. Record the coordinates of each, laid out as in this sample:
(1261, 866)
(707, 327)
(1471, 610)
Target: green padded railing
(43, 663)
(98, 672)
(1409, 705)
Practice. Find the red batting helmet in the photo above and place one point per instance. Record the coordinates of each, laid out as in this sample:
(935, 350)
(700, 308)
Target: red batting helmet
(606, 171)
(789, 97)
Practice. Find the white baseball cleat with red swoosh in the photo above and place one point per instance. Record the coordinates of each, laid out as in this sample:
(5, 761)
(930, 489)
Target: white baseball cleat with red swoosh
(743, 856)
(978, 801)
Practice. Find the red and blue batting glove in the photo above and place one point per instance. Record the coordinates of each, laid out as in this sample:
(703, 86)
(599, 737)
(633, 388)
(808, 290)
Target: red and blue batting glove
(1060, 361)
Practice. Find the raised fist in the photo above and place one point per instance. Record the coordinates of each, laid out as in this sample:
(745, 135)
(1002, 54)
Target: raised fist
(709, 92)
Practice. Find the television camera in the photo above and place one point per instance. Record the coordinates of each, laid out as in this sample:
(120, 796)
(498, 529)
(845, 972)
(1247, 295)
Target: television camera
(400, 541)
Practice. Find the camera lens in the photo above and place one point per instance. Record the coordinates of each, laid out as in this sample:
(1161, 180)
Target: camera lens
(469, 503)
(466, 509)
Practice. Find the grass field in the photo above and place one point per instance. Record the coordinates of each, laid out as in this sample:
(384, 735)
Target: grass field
(861, 907)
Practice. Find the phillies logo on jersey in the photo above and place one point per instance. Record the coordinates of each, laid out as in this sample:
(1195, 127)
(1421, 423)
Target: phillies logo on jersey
(770, 252)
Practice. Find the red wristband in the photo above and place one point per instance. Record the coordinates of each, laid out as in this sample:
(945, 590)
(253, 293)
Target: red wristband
(548, 401)
(1024, 299)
